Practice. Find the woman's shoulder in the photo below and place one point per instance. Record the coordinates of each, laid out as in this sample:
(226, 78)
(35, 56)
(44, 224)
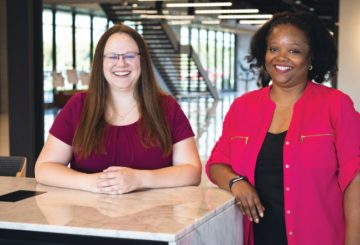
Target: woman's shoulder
(168, 102)
(76, 103)
(78, 97)
(253, 97)
(166, 98)
(328, 92)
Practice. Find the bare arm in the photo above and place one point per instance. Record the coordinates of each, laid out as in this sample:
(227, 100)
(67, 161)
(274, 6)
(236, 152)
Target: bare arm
(52, 168)
(186, 170)
(352, 212)
(245, 194)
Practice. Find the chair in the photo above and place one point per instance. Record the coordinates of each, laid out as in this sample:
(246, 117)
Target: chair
(12, 166)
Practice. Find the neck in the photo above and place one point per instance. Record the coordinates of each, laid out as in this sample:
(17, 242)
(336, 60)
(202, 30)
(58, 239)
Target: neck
(121, 108)
(286, 96)
(124, 100)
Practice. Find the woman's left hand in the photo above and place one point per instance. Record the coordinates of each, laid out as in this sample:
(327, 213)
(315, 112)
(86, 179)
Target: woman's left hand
(118, 180)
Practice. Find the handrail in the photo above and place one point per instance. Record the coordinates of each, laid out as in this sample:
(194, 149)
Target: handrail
(189, 50)
(171, 35)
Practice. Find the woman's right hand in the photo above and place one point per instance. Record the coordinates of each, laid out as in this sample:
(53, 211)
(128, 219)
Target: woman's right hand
(248, 200)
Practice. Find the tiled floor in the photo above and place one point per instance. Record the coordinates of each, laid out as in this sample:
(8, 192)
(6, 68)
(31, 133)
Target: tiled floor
(205, 115)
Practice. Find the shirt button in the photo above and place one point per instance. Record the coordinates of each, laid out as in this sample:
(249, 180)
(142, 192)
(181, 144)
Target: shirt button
(288, 211)
(287, 143)
(290, 233)
(287, 188)
(287, 166)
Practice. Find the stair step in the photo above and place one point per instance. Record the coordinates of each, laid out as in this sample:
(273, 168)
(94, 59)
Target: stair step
(146, 37)
(160, 46)
(156, 41)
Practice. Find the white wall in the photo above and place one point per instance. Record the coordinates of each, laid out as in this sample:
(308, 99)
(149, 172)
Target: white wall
(349, 49)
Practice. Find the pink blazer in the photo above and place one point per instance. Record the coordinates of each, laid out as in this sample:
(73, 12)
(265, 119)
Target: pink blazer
(321, 156)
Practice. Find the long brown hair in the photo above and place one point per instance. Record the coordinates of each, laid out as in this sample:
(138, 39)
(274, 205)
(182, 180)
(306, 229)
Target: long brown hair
(153, 127)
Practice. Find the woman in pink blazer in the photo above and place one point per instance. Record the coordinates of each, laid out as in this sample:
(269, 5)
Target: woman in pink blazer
(290, 152)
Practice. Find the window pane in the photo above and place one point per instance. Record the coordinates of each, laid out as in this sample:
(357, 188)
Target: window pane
(99, 25)
(220, 60)
(184, 35)
(82, 23)
(211, 58)
(47, 54)
(226, 72)
(64, 44)
(202, 48)
(232, 61)
(194, 39)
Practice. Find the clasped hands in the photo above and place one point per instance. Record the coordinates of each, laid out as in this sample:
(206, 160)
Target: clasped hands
(248, 201)
(117, 180)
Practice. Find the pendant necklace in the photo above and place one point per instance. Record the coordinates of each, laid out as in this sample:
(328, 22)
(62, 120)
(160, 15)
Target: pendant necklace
(123, 117)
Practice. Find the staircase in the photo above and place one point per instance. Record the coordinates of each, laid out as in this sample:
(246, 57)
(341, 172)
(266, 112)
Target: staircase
(179, 66)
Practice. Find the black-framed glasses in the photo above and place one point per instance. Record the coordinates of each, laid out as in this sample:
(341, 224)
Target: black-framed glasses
(127, 57)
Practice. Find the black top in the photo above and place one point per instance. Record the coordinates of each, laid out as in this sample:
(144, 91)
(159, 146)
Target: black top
(269, 185)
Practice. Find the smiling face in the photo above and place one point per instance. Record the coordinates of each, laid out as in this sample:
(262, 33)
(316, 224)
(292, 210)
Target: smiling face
(123, 73)
(288, 57)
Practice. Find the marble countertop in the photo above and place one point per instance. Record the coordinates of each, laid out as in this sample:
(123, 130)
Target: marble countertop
(159, 214)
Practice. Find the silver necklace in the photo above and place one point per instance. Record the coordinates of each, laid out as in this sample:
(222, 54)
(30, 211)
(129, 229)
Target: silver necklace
(123, 117)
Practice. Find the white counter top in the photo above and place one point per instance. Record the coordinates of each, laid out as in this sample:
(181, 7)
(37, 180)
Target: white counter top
(159, 214)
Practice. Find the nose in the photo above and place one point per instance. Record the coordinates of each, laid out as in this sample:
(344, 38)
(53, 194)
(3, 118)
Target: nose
(121, 61)
(282, 55)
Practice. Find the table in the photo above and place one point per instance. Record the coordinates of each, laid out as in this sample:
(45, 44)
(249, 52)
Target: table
(181, 216)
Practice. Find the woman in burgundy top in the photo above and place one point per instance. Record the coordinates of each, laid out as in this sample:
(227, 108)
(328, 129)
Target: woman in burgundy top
(124, 133)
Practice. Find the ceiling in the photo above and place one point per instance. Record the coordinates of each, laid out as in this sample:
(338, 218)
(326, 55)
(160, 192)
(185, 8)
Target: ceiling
(327, 10)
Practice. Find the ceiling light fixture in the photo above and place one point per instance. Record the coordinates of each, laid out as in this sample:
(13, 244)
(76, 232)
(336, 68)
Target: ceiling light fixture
(246, 16)
(210, 22)
(227, 11)
(179, 22)
(252, 22)
(151, 0)
(168, 17)
(187, 5)
(142, 11)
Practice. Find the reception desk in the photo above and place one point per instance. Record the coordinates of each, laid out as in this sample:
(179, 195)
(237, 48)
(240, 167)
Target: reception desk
(183, 215)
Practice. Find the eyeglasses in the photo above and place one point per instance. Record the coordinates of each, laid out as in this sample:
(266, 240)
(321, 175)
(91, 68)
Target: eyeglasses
(127, 57)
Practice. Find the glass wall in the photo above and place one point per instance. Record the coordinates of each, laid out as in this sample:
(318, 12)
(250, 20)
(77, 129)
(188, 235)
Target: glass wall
(216, 50)
(64, 49)
(82, 44)
(47, 54)
(99, 27)
(70, 49)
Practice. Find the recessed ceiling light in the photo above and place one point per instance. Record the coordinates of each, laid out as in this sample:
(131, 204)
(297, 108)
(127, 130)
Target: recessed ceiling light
(186, 5)
(246, 16)
(179, 22)
(169, 17)
(252, 22)
(210, 22)
(227, 11)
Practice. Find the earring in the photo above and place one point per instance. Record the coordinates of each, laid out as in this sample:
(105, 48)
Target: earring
(310, 67)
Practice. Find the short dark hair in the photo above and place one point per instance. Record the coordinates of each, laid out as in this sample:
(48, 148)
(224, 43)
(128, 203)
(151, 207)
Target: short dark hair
(322, 45)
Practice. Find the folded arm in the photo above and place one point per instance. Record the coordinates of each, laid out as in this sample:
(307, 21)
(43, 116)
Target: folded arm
(186, 170)
(51, 168)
